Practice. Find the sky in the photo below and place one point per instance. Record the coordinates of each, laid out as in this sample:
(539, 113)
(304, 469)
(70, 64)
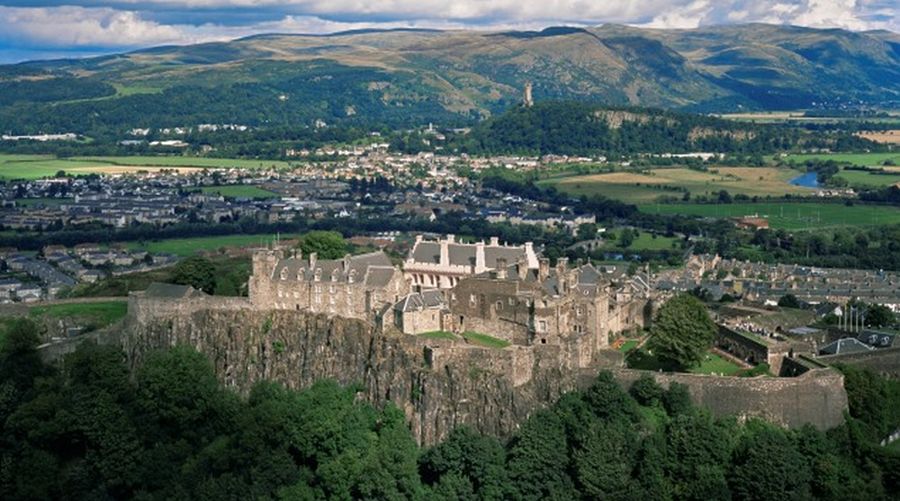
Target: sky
(44, 29)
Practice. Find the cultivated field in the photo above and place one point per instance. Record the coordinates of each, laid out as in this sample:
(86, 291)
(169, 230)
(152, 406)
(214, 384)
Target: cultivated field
(863, 178)
(791, 216)
(646, 186)
(39, 166)
(239, 191)
(883, 136)
(862, 159)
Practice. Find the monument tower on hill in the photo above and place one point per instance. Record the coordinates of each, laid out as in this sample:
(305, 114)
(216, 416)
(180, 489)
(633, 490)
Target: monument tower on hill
(527, 100)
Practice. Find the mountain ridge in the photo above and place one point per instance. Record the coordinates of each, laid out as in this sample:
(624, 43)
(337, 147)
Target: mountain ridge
(463, 76)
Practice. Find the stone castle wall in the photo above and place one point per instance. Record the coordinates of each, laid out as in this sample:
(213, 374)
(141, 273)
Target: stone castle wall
(885, 362)
(440, 384)
(816, 397)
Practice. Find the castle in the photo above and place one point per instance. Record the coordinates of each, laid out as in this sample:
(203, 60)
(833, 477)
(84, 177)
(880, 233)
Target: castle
(505, 291)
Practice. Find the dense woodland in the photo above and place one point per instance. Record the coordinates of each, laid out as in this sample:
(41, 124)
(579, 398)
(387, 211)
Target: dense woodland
(89, 429)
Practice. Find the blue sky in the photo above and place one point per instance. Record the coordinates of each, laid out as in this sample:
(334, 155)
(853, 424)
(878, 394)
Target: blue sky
(39, 29)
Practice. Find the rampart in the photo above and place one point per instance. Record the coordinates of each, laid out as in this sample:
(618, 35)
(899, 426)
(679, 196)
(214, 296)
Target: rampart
(816, 397)
(885, 361)
(439, 384)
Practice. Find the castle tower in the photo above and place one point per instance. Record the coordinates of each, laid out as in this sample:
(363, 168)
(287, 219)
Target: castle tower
(527, 100)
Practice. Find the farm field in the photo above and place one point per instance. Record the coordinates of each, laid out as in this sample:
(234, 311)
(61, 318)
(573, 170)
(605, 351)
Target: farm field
(862, 159)
(190, 246)
(647, 186)
(39, 166)
(239, 191)
(789, 216)
(885, 136)
(863, 178)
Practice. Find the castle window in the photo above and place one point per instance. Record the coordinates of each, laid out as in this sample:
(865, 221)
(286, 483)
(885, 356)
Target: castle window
(318, 289)
(318, 274)
(499, 305)
(472, 300)
(284, 273)
(578, 311)
(512, 301)
(542, 326)
(352, 276)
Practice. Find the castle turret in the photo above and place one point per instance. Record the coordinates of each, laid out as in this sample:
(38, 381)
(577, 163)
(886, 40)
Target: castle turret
(501, 268)
(479, 257)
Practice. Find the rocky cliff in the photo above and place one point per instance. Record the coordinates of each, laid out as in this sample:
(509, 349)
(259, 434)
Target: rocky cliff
(441, 384)
(438, 384)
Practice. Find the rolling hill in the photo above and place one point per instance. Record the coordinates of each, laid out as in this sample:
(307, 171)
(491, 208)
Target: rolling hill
(410, 77)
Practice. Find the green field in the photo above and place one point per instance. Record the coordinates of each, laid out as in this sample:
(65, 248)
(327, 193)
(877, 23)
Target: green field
(98, 315)
(239, 191)
(485, 340)
(629, 345)
(177, 161)
(644, 241)
(189, 246)
(863, 178)
(863, 159)
(649, 185)
(40, 166)
(790, 216)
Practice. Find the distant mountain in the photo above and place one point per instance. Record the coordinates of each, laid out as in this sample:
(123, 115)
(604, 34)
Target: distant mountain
(410, 77)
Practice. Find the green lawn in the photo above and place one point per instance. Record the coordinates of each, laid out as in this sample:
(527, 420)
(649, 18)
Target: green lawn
(629, 345)
(715, 364)
(485, 340)
(97, 314)
(439, 335)
(239, 191)
(864, 159)
(190, 246)
(644, 241)
(788, 215)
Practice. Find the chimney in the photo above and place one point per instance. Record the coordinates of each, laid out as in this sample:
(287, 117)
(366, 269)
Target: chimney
(522, 269)
(479, 257)
(445, 252)
(418, 238)
(543, 269)
(346, 262)
(562, 266)
(312, 260)
(529, 253)
(495, 241)
(501, 268)
(451, 239)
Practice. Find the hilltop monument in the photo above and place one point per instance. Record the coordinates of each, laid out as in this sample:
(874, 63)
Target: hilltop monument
(527, 99)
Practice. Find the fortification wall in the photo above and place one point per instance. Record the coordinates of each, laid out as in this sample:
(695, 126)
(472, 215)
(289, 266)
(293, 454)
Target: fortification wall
(143, 309)
(883, 361)
(439, 384)
(816, 397)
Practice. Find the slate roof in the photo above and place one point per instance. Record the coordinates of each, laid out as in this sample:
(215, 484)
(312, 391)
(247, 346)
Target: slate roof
(877, 339)
(844, 346)
(420, 300)
(374, 269)
(464, 254)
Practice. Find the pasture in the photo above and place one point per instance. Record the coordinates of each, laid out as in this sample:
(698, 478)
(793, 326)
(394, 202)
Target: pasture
(239, 191)
(190, 246)
(864, 178)
(649, 185)
(787, 215)
(861, 159)
(40, 166)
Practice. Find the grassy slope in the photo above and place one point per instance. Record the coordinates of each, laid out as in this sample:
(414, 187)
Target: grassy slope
(189, 246)
(239, 191)
(862, 159)
(97, 314)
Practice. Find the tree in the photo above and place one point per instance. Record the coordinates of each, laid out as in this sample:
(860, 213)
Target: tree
(604, 462)
(196, 271)
(326, 244)
(682, 331)
(646, 391)
(626, 238)
(878, 315)
(767, 465)
(789, 301)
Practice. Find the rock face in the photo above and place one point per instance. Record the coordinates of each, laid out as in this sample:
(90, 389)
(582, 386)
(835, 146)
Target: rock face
(438, 384)
(442, 384)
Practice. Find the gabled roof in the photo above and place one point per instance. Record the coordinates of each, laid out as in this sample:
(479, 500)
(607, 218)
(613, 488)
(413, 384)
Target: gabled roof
(877, 339)
(844, 346)
(373, 269)
(416, 301)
